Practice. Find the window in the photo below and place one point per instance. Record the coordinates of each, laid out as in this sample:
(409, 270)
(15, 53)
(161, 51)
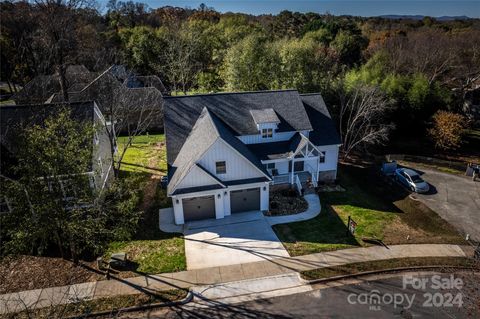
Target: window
(267, 132)
(270, 166)
(221, 167)
(4, 206)
(322, 157)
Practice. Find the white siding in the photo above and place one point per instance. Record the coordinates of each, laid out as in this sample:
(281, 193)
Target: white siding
(331, 157)
(196, 177)
(277, 137)
(237, 166)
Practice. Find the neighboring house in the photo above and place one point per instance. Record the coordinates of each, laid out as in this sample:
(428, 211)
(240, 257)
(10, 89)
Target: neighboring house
(14, 118)
(113, 89)
(225, 151)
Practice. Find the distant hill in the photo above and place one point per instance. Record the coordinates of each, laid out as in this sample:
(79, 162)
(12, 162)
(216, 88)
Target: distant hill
(420, 17)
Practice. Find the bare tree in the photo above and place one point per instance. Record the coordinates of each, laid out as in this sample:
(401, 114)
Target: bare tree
(361, 118)
(130, 112)
(57, 20)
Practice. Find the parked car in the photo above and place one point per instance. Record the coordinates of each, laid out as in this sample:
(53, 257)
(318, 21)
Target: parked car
(411, 180)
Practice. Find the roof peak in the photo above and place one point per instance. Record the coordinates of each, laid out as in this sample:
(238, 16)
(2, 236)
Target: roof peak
(230, 93)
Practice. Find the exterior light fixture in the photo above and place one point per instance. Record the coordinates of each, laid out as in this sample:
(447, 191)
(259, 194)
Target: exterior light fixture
(264, 188)
(219, 195)
(177, 201)
(225, 193)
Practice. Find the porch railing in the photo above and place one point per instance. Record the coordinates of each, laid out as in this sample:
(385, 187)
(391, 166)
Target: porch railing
(281, 179)
(313, 174)
(298, 184)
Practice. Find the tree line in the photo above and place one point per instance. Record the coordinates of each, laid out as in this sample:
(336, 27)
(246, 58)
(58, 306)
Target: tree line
(421, 66)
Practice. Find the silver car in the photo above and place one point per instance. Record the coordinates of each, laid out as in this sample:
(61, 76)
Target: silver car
(411, 180)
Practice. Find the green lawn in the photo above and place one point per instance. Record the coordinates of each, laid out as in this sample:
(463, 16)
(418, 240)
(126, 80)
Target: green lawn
(152, 251)
(145, 150)
(380, 212)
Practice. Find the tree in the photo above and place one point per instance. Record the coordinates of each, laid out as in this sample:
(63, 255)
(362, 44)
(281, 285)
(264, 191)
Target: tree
(361, 118)
(58, 22)
(249, 65)
(448, 130)
(52, 200)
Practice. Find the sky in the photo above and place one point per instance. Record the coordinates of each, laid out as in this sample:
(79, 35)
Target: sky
(367, 8)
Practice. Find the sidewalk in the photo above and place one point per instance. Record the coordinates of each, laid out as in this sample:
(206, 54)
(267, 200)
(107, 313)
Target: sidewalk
(207, 276)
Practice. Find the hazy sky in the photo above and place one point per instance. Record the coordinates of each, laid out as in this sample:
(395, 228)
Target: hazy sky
(433, 8)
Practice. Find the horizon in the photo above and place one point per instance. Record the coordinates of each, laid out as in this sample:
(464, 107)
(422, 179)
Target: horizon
(363, 8)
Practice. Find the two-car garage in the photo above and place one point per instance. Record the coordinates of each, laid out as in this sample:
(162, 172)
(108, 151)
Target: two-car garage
(203, 207)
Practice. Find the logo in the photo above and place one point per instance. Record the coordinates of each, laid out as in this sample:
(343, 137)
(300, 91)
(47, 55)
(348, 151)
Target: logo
(434, 291)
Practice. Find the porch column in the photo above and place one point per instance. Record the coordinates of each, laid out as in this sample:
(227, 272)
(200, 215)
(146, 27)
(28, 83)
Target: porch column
(292, 172)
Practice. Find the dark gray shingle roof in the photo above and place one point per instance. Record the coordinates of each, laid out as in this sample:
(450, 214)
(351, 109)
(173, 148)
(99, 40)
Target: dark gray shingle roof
(233, 109)
(324, 129)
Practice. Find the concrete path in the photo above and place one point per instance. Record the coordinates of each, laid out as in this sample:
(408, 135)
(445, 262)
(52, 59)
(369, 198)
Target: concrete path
(166, 221)
(236, 239)
(313, 210)
(215, 275)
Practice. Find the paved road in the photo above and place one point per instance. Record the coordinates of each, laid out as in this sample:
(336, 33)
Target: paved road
(345, 302)
(456, 199)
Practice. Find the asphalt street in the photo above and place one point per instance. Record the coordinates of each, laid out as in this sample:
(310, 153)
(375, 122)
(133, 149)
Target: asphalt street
(408, 295)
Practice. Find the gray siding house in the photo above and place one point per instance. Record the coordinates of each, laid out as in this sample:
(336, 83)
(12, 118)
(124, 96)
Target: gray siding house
(225, 151)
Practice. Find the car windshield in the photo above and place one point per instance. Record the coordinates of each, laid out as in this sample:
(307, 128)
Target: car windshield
(416, 179)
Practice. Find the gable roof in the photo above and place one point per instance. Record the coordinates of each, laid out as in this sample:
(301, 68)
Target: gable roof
(207, 130)
(233, 109)
(324, 129)
(264, 116)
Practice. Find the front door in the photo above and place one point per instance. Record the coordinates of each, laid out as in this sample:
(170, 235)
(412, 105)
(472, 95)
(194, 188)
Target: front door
(298, 166)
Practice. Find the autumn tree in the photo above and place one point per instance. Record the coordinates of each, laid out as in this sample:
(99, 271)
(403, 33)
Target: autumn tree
(447, 130)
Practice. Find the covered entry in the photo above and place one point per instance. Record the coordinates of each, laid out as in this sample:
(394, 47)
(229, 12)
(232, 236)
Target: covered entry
(245, 200)
(198, 208)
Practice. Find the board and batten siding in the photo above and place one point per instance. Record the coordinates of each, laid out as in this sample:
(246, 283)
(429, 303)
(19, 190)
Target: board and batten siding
(196, 177)
(331, 157)
(277, 137)
(237, 166)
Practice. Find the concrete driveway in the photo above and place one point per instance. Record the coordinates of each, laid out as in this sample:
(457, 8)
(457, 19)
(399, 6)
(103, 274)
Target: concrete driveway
(456, 199)
(237, 239)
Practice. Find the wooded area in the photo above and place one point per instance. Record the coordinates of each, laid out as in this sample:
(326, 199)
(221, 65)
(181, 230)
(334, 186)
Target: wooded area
(420, 66)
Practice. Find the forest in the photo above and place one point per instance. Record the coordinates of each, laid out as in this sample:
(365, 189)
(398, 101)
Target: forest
(419, 67)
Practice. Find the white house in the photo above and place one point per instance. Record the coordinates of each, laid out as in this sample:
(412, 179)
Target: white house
(226, 150)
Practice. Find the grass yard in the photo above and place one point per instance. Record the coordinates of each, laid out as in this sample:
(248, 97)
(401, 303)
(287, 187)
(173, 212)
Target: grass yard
(354, 268)
(381, 211)
(111, 304)
(151, 251)
(147, 154)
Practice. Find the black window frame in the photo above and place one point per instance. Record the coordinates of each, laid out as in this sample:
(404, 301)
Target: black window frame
(267, 132)
(322, 157)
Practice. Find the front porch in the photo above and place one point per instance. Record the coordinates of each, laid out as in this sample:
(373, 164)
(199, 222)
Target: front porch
(301, 180)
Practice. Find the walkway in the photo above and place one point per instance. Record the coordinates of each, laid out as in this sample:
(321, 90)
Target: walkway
(313, 210)
(207, 276)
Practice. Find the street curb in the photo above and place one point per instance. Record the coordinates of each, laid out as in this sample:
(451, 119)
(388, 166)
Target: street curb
(181, 302)
(384, 271)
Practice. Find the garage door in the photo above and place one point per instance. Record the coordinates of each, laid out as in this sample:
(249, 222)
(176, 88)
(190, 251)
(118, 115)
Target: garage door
(198, 208)
(245, 200)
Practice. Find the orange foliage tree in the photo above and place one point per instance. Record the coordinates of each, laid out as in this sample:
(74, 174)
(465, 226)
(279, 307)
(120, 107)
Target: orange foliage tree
(447, 130)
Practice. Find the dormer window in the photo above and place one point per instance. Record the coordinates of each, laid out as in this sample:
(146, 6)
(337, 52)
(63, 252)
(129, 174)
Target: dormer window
(267, 133)
(221, 167)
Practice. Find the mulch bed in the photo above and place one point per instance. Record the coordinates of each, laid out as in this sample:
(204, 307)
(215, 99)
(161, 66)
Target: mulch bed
(286, 202)
(20, 273)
